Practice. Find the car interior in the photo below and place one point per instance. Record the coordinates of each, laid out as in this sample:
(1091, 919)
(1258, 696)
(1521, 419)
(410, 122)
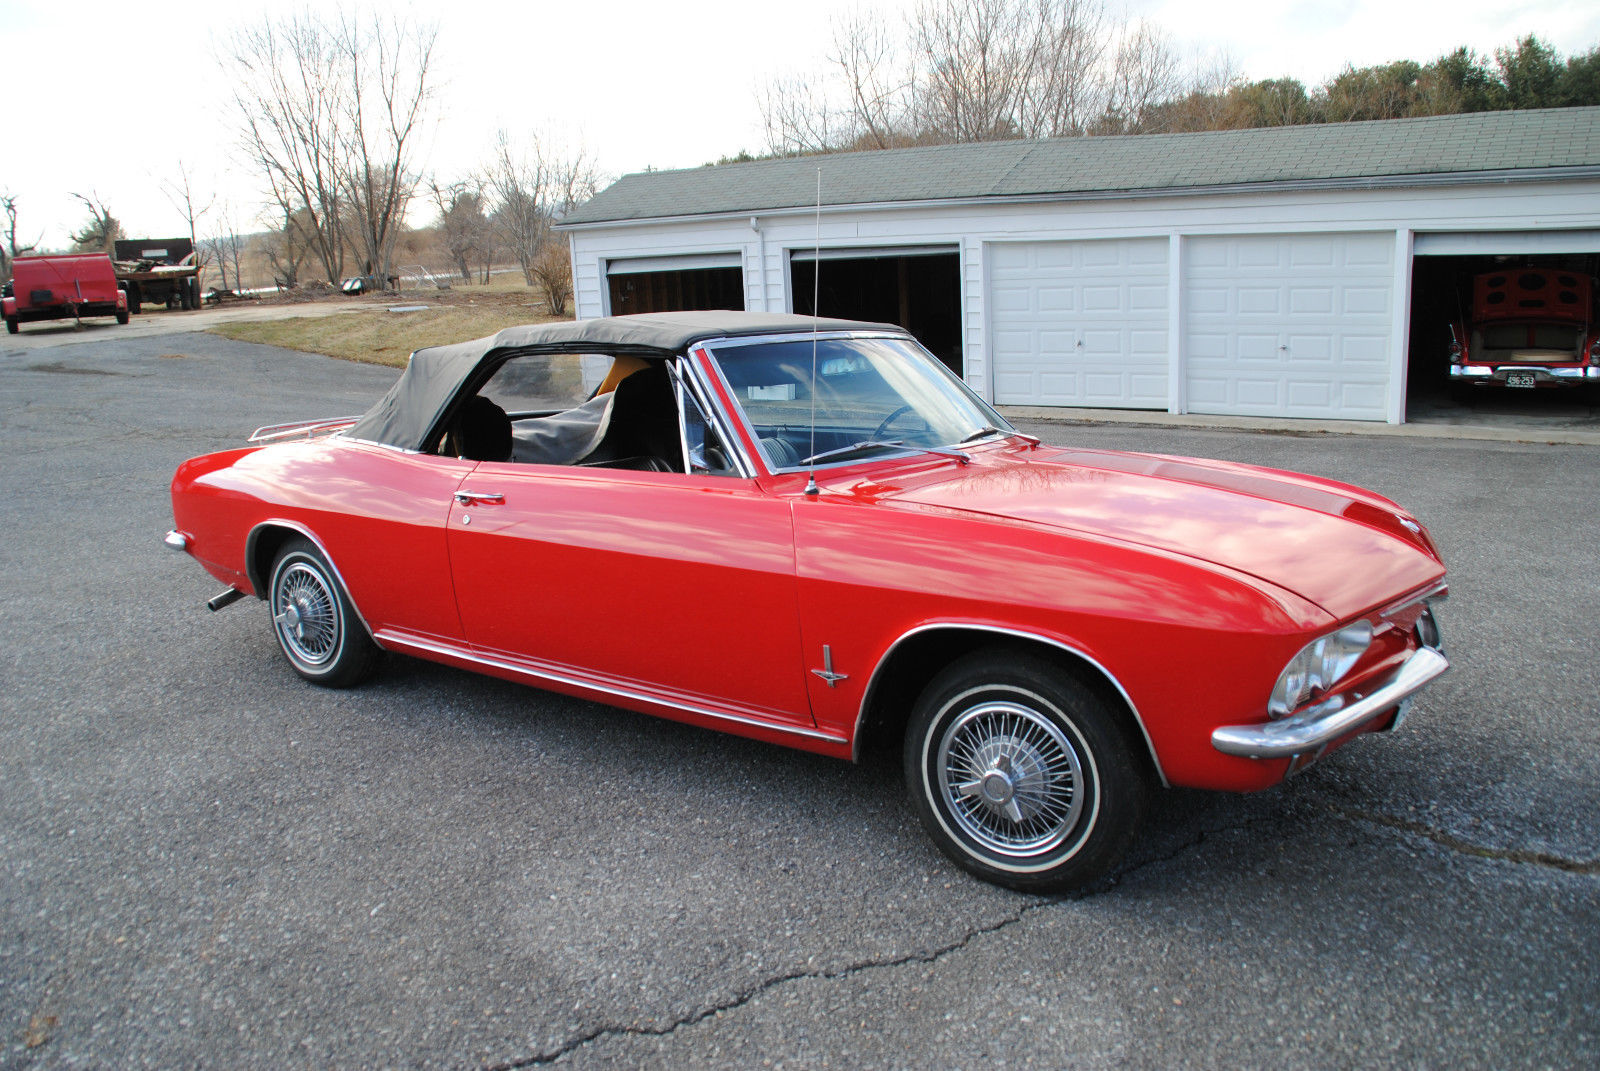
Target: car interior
(629, 421)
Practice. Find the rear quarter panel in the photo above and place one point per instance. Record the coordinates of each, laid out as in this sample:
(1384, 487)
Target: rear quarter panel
(380, 514)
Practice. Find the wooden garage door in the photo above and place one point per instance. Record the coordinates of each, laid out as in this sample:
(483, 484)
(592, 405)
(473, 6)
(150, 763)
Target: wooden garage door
(1080, 323)
(1289, 325)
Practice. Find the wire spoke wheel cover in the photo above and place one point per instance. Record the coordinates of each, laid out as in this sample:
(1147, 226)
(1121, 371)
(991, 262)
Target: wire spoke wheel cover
(314, 621)
(306, 613)
(1010, 778)
(1023, 774)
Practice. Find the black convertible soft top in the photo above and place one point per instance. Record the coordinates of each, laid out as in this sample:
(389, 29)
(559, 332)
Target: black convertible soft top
(413, 406)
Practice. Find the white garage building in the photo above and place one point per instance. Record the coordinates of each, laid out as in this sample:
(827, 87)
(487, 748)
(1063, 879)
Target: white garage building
(1271, 272)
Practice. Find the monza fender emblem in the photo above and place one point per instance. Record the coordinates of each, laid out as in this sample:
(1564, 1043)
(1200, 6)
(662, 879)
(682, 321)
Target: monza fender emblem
(826, 672)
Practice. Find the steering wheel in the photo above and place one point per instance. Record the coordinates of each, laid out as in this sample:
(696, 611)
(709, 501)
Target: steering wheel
(883, 425)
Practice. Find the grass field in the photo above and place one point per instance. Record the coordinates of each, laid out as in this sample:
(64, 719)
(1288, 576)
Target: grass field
(378, 336)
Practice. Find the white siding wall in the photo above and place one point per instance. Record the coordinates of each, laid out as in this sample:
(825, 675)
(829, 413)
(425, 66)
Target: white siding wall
(1179, 220)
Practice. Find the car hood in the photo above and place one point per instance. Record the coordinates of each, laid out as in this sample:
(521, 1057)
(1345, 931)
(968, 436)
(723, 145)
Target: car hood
(1345, 549)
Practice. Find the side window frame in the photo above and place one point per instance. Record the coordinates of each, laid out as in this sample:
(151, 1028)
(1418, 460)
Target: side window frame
(695, 430)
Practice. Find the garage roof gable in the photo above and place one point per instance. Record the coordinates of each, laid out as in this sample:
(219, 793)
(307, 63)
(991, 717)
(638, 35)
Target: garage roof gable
(1403, 150)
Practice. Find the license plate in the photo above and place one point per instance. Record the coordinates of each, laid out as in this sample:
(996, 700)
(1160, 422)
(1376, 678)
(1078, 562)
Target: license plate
(1520, 379)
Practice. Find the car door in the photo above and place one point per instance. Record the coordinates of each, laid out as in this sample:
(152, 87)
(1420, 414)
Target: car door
(680, 585)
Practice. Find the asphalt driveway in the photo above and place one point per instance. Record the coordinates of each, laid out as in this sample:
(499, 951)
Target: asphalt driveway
(205, 862)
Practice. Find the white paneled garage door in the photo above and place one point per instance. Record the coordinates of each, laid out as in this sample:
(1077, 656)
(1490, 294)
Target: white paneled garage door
(1080, 323)
(1289, 325)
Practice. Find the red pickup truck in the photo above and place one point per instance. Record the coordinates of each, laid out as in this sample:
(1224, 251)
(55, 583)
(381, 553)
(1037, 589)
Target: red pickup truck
(1530, 327)
(57, 286)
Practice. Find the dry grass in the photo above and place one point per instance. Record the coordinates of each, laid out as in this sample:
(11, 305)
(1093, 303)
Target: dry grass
(377, 336)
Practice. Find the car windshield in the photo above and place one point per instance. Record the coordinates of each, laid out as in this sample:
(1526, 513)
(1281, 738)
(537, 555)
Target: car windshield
(872, 396)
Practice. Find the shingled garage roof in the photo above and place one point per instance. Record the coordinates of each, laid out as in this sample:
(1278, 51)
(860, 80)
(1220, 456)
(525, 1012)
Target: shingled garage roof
(1403, 151)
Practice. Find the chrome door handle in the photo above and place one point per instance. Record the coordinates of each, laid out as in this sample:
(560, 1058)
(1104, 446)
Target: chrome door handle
(480, 498)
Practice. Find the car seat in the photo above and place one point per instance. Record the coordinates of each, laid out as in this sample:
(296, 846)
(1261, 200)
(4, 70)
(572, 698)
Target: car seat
(643, 429)
(483, 431)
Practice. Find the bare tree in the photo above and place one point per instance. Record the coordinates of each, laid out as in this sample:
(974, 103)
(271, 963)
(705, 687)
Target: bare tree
(1067, 89)
(964, 70)
(798, 118)
(331, 113)
(291, 94)
(878, 84)
(553, 269)
(1143, 75)
(12, 250)
(291, 242)
(974, 60)
(532, 189)
(180, 194)
(225, 250)
(387, 65)
(101, 232)
(463, 225)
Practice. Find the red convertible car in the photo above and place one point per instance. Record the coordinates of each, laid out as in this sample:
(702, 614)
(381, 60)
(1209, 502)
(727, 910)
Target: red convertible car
(810, 533)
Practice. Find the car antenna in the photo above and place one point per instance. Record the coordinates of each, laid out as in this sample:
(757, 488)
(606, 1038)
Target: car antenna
(816, 296)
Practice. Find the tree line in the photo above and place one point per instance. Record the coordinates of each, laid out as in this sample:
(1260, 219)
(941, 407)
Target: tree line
(985, 70)
(331, 110)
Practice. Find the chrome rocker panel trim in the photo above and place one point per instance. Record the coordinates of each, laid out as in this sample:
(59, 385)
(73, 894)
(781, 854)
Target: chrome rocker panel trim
(1319, 725)
(543, 675)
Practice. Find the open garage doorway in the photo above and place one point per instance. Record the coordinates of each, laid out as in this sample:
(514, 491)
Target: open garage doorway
(918, 288)
(1442, 297)
(675, 284)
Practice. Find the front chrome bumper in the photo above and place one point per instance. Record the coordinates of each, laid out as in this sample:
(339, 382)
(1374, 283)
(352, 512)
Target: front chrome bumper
(1322, 724)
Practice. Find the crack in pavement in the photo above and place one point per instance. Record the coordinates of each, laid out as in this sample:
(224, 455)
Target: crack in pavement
(1446, 840)
(759, 988)
(1465, 847)
(1104, 885)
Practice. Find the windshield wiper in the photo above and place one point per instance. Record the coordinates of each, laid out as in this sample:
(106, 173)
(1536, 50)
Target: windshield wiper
(983, 432)
(990, 429)
(875, 444)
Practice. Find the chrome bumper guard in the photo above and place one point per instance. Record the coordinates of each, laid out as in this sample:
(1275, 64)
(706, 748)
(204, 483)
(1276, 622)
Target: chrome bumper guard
(176, 541)
(1312, 728)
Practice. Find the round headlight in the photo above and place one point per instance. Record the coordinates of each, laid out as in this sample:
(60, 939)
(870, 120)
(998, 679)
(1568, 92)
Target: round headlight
(1317, 667)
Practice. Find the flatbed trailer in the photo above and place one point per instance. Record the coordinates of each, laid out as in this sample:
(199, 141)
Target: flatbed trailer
(158, 271)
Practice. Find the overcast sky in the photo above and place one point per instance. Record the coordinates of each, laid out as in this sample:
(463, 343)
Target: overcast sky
(108, 97)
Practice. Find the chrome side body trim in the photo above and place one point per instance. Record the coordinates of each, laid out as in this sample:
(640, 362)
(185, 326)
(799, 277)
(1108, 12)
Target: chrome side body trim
(1322, 724)
(397, 639)
(1435, 592)
(956, 626)
(258, 583)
